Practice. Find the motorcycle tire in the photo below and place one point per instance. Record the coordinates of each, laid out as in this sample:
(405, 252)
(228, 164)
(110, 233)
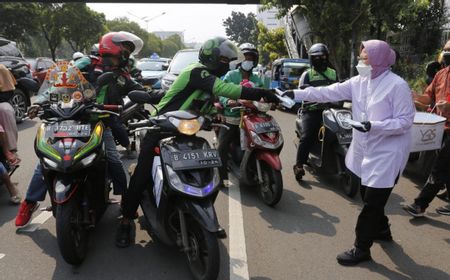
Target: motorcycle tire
(350, 183)
(71, 235)
(203, 255)
(271, 189)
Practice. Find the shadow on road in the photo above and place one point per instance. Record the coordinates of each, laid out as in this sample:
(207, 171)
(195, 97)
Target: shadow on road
(27, 124)
(7, 210)
(431, 222)
(292, 215)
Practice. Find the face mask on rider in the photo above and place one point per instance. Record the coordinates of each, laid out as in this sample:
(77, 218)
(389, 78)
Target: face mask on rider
(222, 69)
(363, 69)
(247, 65)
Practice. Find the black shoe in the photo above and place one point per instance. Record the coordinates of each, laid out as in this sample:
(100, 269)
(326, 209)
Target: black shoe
(299, 172)
(444, 196)
(221, 233)
(414, 210)
(123, 235)
(444, 210)
(353, 257)
(384, 235)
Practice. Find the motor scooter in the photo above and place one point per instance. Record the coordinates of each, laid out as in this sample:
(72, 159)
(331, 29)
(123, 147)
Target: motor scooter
(328, 153)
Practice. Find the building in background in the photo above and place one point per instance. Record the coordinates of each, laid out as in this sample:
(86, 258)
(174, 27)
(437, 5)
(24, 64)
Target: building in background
(269, 18)
(166, 34)
(446, 28)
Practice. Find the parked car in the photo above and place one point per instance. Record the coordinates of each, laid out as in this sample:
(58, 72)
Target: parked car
(181, 59)
(152, 70)
(39, 67)
(12, 58)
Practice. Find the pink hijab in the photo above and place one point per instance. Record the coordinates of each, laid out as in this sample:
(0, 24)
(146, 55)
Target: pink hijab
(381, 56)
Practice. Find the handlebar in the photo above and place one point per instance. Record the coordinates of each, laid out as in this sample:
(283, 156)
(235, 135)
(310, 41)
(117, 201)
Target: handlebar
(113, 108)
(140, 124)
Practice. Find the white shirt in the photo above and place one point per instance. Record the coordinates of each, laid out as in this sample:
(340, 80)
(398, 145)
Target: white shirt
(379, 156)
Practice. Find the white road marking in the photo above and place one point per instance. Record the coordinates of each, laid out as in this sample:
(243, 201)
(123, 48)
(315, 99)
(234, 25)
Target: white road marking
(238, 252)
(36, 222)
(2, 256)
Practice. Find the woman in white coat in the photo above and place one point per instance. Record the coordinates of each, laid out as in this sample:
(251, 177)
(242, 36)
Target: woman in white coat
(382, 103)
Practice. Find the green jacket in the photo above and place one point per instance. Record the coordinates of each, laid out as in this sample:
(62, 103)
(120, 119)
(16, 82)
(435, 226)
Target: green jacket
(196, 89)
(235, 77)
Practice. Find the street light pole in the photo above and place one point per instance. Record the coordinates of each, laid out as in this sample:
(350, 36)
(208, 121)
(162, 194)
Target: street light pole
(146, 19)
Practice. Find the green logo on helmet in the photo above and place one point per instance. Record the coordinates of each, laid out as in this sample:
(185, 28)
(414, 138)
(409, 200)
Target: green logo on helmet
(209, 45)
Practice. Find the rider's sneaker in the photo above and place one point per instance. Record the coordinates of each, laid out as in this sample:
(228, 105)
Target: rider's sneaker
(123, 235)
(299, 172)
(25, 212)
(414, 210)
(353, 257)
(444, 195)
(444, 210)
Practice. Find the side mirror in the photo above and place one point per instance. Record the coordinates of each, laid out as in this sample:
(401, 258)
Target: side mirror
(140, 97)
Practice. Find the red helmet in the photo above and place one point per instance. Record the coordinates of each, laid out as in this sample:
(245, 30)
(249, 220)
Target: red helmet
(119, 44)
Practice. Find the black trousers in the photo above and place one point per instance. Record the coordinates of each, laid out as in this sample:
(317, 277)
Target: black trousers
(311, 123)
(440, 176)
(372, 219)
(226, 137)
(142, 176)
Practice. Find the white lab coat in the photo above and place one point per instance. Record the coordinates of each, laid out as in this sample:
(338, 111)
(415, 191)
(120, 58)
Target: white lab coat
(380, 155)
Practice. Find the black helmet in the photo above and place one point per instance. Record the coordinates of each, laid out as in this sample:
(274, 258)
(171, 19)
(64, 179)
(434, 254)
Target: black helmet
(214, 49)
(318, 50)
(248, 48)
(318, 56)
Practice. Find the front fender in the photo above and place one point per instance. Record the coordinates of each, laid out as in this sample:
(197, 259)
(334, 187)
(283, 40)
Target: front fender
(203, 212)
(271, 158)
(63, 189)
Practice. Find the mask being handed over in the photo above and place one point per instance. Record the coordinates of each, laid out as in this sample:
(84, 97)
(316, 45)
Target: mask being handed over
(363, 69)
(247, 65)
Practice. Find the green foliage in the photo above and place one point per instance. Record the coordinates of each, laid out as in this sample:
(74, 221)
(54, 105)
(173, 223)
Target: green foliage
(18, 21)
(50, 21)
(271, 44)
(83, 26)
(171, 45)
(242, 28)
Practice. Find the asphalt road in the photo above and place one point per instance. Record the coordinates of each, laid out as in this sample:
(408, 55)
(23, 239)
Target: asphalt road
(297, 239)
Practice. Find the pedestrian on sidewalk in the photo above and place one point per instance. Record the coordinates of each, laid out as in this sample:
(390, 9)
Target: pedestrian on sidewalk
(382, 103)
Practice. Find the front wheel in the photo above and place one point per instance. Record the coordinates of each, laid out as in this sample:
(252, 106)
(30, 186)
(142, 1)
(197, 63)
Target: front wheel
(350, 183)
(203, 254)
(72, 236)
(271, 187)
(19, 102)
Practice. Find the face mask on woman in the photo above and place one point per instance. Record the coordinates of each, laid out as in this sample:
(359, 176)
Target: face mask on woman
(363, 69)
(247, 65)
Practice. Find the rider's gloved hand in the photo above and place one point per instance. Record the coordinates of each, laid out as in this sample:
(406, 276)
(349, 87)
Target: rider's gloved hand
(365, 127)
(289, 93)
(257, 93)
(270, 96)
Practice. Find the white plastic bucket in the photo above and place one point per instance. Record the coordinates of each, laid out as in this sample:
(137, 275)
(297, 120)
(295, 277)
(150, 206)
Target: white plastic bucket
(427, 132)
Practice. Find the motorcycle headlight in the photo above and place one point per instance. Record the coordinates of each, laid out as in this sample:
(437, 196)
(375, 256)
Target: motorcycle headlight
(342, 117)
(94, 141)
(50, 162)
(88, 160)
(187, 127)
(258, 141)
(175, 182)
(44, 147)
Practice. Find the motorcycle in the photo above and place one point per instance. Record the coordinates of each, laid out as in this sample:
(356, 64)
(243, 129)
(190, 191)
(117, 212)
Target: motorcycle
(328, 153)
(179, 210)
(72, 155)
(256, 162)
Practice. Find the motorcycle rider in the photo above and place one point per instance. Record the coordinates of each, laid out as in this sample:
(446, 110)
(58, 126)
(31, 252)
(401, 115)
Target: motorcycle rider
(232, 118)
(90, 65)
(318, 75)
(194, 89)
(115, 48)
(77, 55)
(436, 93)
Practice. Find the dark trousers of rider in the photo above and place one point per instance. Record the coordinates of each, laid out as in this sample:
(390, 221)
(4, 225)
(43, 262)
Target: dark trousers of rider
(311, 123)
(226, 137)
(440, 176)
(372, 219)
(142, 176)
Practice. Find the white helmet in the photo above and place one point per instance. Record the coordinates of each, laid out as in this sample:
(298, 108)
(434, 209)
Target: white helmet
(77, 55)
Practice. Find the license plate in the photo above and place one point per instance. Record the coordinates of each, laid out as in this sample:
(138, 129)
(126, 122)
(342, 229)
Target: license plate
(265, 127)
(68, 130)
(195, 159)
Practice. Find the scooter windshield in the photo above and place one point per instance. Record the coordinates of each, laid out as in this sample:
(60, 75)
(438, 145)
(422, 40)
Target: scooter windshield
(65, 86)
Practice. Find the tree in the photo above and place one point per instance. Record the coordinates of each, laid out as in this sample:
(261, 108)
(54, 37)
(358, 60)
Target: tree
(171, 45)
(18, 21)
(83, 27)
(242, 28)
(50, 21)
(271, 44)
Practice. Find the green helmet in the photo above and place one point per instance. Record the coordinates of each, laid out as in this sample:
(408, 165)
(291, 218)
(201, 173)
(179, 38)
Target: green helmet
(213, 49)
